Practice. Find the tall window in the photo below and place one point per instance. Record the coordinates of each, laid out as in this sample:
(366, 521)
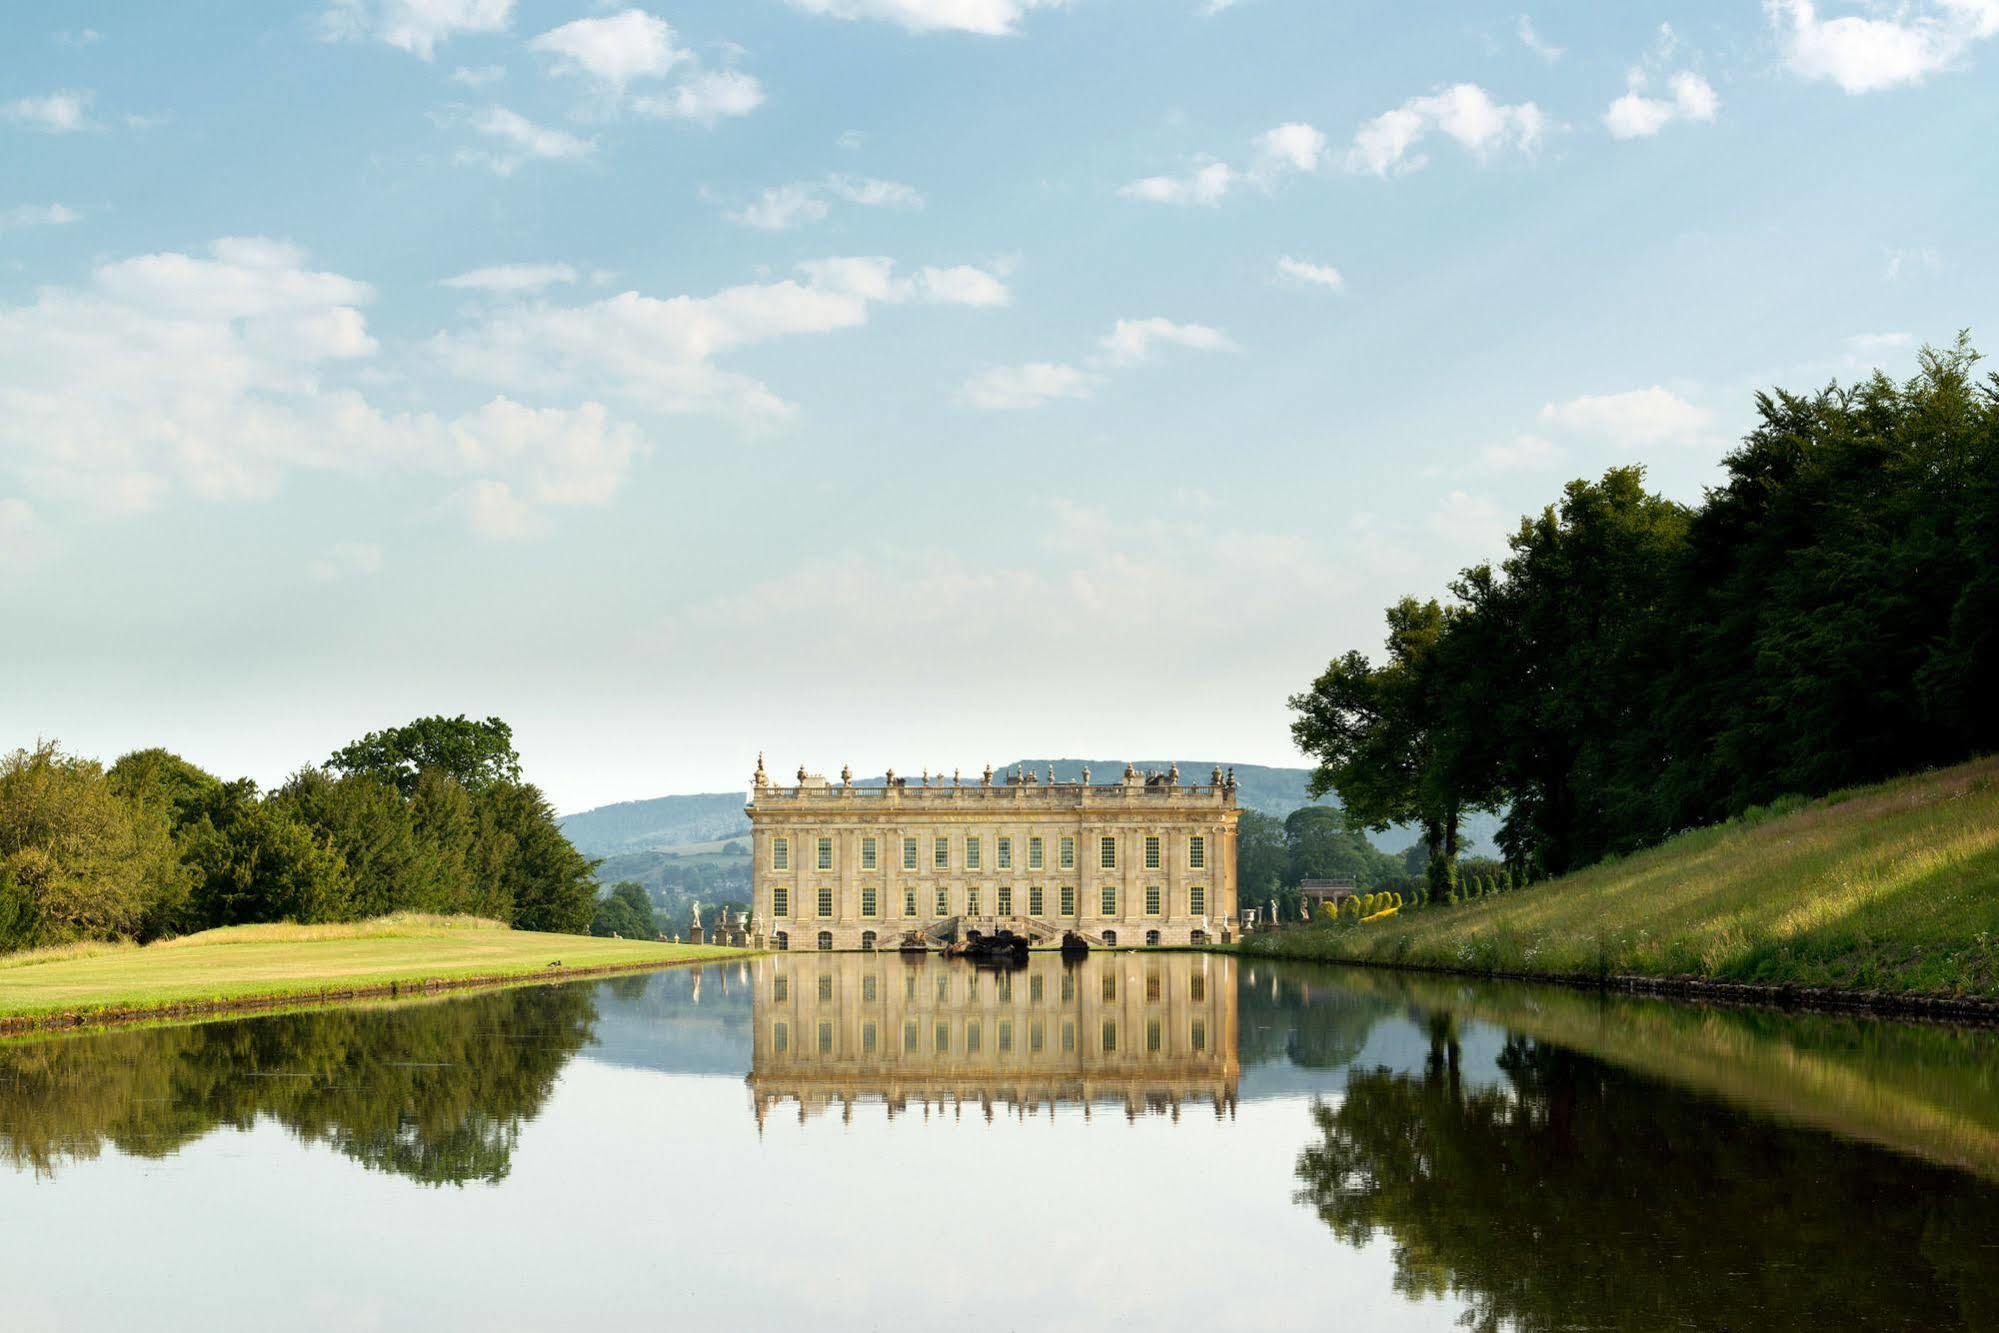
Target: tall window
(972, 901)
(825, 853)
(870, 853)
(780, 853)
(1152, 900)
(1110, 900)
(972, 854)
(940, 853)
(909, 902)
(1036, 904)
(780, 900)
(780, 989)
(1197, 852)
(1151, 853)
(1068, 853)
(1005, 897)
(1110, 986)
(1197, 900)
(1107, 853)
(870, 902)
(825, 902)
(1034, 853)
(1197, 1036)
(1068, 900)
(909, 853)
(943, 901)
(1110, 1038)
(1006, 853)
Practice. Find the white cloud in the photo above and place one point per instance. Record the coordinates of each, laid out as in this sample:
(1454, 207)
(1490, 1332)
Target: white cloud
(1522, 453)
(1636, 116)
(1639, 419)
(1305, 274)
(345, 560)
(25, 540)
(1864, 54)
(1869, 350)
(79, 38)
(1007, 388)
(478, 76)
(57, 113)
(511, 279)
(521, 141)
(1291, 147)
(705, 98)
(1466, 520)
(216, 375)
(1463, 112)
(37, 215)
(1532, 41)
(993, 18)
(784, 207)
(614, 50)
(416, 26)
(1132, 341)
(1906, 261)
(1206, 185)
(660, 354)
(492, 511)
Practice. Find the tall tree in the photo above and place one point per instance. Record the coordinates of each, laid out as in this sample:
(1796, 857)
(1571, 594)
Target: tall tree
(476, 754)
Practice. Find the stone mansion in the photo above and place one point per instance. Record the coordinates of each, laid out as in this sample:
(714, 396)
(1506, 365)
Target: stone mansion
(1143, 860)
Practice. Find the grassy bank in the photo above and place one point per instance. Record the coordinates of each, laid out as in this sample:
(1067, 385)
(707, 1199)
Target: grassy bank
(245, 966)
(1891, 889)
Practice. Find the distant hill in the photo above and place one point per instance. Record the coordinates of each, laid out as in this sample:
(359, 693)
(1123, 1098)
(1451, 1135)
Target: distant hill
(675, 821)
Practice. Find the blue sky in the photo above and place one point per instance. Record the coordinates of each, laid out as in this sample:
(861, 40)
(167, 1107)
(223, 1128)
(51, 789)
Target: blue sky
(892, 382)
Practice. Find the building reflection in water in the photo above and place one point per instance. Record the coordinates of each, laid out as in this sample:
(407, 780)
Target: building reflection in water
(1151, 1032)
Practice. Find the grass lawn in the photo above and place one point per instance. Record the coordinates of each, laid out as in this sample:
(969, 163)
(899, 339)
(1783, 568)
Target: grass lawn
(252, 964)
(1891, 888)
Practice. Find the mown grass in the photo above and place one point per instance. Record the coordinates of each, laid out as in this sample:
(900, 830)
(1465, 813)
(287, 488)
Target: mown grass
(256, 964)
(1892, 888)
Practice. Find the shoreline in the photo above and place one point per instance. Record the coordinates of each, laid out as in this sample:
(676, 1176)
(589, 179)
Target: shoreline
(310, 995)
(1741, 994)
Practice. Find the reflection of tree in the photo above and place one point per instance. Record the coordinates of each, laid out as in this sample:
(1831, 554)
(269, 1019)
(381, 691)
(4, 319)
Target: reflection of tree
(1578, 1196)
(1309, 1021)
(434, 1092)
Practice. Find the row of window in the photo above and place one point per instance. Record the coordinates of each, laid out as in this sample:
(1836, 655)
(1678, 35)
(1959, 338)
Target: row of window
(869, 940)
(974, 1038)
(974, 853)
(1003, 901)
(1003, 988)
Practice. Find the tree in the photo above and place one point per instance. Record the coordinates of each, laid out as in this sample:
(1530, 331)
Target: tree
(262, 863)
(550, 884)
(1261, 858)
(78, 861)
(390, 866)
(1319, 844)
(626, 912)
(477, 754)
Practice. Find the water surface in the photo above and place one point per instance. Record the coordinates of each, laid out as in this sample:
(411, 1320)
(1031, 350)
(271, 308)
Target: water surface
(1141, 1140)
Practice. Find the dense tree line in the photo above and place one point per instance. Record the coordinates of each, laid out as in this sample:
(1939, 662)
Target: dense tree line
(432, 817)
(1827, 615)
(1313, 842)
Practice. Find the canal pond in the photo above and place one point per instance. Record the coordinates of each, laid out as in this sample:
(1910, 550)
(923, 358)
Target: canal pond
(1139, 1140)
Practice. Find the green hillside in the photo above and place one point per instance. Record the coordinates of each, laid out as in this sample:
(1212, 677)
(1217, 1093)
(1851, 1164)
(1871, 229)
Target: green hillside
(1892, 888)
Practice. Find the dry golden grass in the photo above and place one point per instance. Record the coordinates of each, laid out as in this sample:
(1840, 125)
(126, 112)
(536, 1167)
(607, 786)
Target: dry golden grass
(1892, 888)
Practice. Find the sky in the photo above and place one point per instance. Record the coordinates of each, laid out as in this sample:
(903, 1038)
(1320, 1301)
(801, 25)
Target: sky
(894, 383)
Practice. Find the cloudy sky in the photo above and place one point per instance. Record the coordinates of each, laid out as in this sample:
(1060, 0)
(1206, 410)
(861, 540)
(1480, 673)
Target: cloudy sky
(892, 382)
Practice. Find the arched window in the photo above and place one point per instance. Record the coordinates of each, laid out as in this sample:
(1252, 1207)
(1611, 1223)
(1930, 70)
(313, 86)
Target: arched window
(868, 943)
(1151, 939)
(1110, 939)
(1198, 937)
(782, 940)
(825, 941)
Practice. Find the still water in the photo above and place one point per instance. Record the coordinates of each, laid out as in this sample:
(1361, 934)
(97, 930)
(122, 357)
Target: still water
(1140, 1140)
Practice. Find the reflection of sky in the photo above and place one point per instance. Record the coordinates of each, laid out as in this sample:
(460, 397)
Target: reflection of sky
(637, 1194)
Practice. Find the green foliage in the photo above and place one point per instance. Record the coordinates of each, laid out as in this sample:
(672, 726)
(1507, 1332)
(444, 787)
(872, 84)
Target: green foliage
(79, 861)
(475, 754)
(626, 913)
(1350, 909)
(1827, 616)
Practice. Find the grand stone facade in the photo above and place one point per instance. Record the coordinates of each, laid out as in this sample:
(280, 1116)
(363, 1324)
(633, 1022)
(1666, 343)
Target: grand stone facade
(1142, 860)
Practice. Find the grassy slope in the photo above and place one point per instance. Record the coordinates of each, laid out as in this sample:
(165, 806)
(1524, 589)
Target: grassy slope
(248, 963)
(1889, 888)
